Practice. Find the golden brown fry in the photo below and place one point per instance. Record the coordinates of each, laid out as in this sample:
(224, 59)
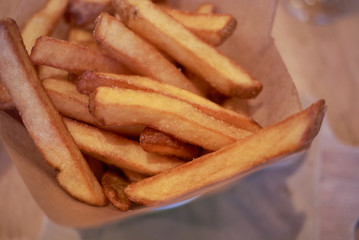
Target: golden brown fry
(139, 56)
(115, 106)
(69, 102)
(150, 22)
(118, 151)
(133, 176)
(288, 136)
(113, 185)
(47, 72)
(83, 37)
(43, 122)
(214, 29)
(206, 8)
(154, 141)
(84, 12)
(72, 57)
(79, 35)
(89, 81)
(43, 22)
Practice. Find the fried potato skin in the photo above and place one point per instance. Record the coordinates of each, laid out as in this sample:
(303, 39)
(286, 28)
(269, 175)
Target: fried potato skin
(113, 186)
(293, 134)
(42, 121)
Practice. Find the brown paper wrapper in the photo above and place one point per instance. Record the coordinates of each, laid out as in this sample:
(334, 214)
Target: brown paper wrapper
(251, 46)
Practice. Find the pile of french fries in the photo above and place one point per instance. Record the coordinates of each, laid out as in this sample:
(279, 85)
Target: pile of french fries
(129, 108)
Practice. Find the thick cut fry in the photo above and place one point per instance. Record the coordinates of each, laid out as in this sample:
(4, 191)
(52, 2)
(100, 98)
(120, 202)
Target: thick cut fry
(72, 57)
(84, 12)
(83, 37)
(150, 22)
(47, 72)
(43, 122)
(133, 176)
(69, 102)
(155, 141)
(118, 151)
(113, 186)
(214, 29)
(79, 35)
(288, 136)
(43, 22)
(89, 81)
(172, 116)
(136, 54)
(206, 8)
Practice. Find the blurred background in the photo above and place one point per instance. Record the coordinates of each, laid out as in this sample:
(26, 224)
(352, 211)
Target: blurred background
(311, 196)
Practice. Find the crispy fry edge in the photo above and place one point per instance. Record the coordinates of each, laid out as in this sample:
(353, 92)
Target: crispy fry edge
(140, 192)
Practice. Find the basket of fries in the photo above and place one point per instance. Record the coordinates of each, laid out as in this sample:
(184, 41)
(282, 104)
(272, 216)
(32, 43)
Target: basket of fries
(136, 105)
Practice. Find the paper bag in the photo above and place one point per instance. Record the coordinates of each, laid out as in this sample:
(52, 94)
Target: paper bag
(251, 46)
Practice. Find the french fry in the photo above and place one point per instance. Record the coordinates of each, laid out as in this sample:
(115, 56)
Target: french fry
(206, 8)
(89, 81)
(72, 57)
(155, 141)
(147, 20)
(172, 116)
(185, 117)
(291, 135)
(43, 22)
(214, 29)
(42, 121)
(136, 54)
(47, 72)
(83, 37)
(118, 151)
(113, 186)
(133, 176)
(69, 102)
(82, 13)
(79, 35)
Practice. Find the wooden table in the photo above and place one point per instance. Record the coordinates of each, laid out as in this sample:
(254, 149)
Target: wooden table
(324, 63)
